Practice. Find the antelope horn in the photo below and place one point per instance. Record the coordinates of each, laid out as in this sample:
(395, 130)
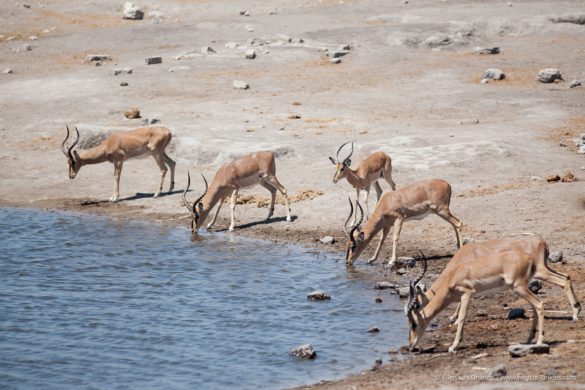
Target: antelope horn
(361, 215)
(185, 201)
(424, 268)
(348, 218)
(350, 154)
(204, 193)
(64, 142)
(339, 150)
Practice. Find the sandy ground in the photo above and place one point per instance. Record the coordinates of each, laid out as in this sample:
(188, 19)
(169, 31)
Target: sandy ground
(410, 86)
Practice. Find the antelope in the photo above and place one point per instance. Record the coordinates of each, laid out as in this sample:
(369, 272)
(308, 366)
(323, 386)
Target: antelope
(245, 172)
(119, 147)
(415, 201)
(482, 269)
(366, 174)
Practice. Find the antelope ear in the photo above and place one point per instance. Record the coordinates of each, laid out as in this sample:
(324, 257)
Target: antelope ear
(361, 236)
(75, 155)
(200, 206)
(332, 160)
(347, 162)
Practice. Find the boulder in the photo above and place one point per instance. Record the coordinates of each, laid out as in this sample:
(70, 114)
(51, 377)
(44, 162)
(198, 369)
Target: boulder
(318, 295)
(250, 54)
(535, 286)
(132, 12)
(555, 257)
(373, 329)
(519, 350)
(153, 60)
(497, 371)
(335, 60)
(7, 71)
(493, 74)
(516, 313)
(207, 50)
(549, 75)
(238, 84)
(405, 261)
(385, 286)
(575, 84)
(305, 351)
(486, 50)
(132, 113)
(327, 240)
(98, 57)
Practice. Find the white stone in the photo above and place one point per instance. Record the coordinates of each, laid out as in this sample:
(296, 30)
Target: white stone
(239, 84)
(207, 50)
(232, 45)
(132, 12)
(250, 54)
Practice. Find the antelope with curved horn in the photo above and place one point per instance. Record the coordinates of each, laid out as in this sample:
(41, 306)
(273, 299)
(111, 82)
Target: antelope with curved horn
(119, 147)
(366, 174)
(414, 201)
(248, 171)
(493, 266)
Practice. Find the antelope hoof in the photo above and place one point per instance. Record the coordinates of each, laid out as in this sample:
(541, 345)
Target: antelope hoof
(113, 199)
(156, 195)
(371, 261)
(390, 265)
(231, 228)
(452, 349)
(288, 218)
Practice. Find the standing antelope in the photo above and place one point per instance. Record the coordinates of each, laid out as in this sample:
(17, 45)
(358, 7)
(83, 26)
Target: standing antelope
(367, 173)
(119, 147)
(482, 269)
(415, 201)
(248, 171)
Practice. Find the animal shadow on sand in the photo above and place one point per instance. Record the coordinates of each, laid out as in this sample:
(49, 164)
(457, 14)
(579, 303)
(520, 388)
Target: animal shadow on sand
(261, 222)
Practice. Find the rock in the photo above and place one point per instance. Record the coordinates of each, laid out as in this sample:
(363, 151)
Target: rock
(154, 121)
(535, 286)
(497, 371)
(98, 57)
(123, 84)
(377, 365)
(327, 240)
(575, 84)
(519, 350)
(551, 372)
(401, 271)
(378, 300)
(467, 240)
(373, 329)
(187, 55)
(33, 38)
(335, 60)
(118, 71)
(238, 84)
(403, 292)
(132, 12)
(27, 47)
(568, 177)
(250, 54)
(318, 296)
(405, 261)
(305, 351)
(207, 50)
(549, 75)
(573, 19)
(516, 313)
(7, 71)
(132, 113)
(232, 45)
(338, 53)
(493, 74)
(153, 60)
(553, 178)
(345, 47)
(481, 313)
(555, 257)
(386, 286)
(486, 50)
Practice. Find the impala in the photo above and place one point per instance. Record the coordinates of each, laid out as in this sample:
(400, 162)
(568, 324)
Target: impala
(482, 269)
(366, 174)
(119, 147)
(248, 171)
(414, 201)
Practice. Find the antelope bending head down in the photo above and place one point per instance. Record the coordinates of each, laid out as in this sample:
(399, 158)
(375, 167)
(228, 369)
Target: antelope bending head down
(367, 173)
(481, 269)
(248, 171)
(119, 147)
(414, 201)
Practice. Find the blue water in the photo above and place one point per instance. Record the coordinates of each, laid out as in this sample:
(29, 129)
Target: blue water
(86, 302)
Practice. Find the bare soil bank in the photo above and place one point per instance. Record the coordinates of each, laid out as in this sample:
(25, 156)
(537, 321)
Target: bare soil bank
(409, 86)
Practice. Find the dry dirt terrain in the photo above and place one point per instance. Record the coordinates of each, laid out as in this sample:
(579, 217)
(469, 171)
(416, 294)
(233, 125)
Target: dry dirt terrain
(410, 86)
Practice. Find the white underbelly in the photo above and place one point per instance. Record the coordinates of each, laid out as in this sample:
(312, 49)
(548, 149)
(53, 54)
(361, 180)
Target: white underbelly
(418, 217)
(249, 181)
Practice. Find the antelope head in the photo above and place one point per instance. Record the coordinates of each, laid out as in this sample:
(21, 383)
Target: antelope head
(196, 208)
(417, 324)
(341, 166)
(356, 242)
(72, 156)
